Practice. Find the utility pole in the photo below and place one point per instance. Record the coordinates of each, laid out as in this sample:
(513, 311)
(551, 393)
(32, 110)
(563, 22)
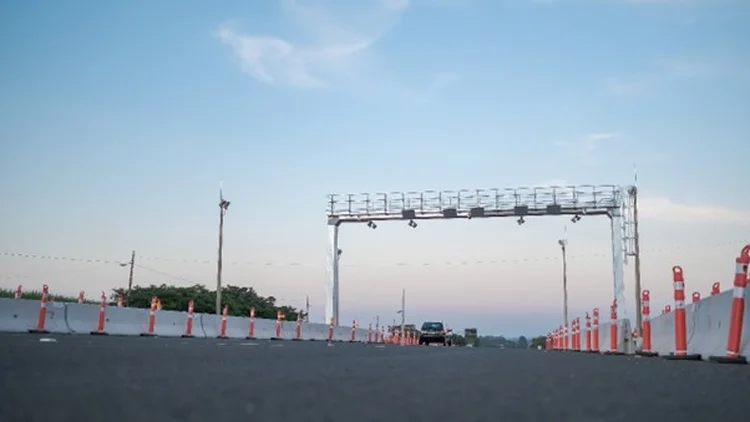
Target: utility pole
(403, 314)
(637, 251)
(307, 308)
(563, 244)
(130, 279)
(223, 206)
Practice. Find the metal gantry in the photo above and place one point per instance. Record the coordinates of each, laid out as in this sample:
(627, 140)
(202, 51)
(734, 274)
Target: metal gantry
(579, 201)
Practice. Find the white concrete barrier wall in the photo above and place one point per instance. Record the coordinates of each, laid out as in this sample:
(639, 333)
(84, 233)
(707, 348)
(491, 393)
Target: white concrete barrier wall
(20, 315)
(362, 334)
(314, 331)
(707, 327)
(604, 336)
(84, 318)
(624, 337)
(126, 321)
(237, 327)
(171, 323)
(289, 330)
(342, 333)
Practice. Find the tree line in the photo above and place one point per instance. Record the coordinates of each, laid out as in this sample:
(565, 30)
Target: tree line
(521, 342)
(238, 299)
(173, 298)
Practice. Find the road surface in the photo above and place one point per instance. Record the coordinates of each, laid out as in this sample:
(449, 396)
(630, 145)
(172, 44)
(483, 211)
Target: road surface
(84, 378)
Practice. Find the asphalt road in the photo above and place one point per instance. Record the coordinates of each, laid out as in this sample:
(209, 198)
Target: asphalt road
(82, 378)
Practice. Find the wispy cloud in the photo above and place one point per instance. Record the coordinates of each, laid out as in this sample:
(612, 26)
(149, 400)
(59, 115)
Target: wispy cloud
(662, 208)
(639, 2)
(437, 84)
(674, 3)
(655, 1)
(662, 71)
(626, 87)
(665, 209)
(553, 182)
(338, 37)
(588, 144)
(448, 2)
(396, 4)
(681, 68)
(680, 2)
(592, 141)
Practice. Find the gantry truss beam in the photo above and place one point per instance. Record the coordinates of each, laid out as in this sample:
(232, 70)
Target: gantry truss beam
(616, 202)
(479, 203)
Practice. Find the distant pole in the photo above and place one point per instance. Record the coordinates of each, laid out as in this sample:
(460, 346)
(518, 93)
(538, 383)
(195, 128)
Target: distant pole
(637, 252)
(307, 308)
(403, 314)
(223, 206)
(130, 278)
(563, 245)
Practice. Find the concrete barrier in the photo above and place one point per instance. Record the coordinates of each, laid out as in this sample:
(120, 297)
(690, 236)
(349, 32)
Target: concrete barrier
(20, 315)
(172, 324)
(625, 341)
(707, 327)
(288, 329)
(362, 335)
(237, 327)
(342, 333)
(604, 336)
(126, 321)
(83, 318)
(313, 331)
(624, 337)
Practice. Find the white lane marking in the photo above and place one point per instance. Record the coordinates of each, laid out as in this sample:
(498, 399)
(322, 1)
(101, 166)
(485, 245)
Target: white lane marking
(277, 345)
(249, 344)
(47, 340)
(222, 344)
(380, 347)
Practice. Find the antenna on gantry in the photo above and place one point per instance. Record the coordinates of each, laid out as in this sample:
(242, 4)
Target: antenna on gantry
(635, 175)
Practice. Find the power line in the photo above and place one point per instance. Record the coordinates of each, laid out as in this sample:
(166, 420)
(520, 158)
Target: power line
(63, 258)
(515, 260)
(162, 273)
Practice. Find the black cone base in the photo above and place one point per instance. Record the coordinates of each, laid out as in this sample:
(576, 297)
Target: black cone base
(738, 360)
(672, 356)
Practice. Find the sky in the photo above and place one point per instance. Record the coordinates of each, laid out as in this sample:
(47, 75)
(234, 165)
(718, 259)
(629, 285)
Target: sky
(119, 121)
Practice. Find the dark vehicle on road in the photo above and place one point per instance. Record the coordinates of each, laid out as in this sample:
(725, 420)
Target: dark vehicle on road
(434, 332)
(470, 334)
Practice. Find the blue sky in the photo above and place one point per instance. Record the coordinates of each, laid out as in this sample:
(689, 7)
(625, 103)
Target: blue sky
(118, 121)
